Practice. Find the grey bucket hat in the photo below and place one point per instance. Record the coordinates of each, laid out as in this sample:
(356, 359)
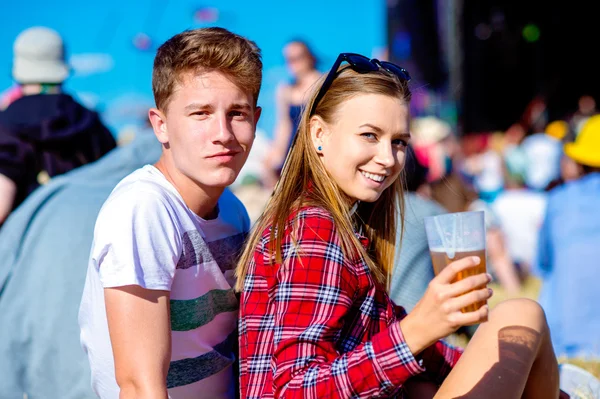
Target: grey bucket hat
(39, 57)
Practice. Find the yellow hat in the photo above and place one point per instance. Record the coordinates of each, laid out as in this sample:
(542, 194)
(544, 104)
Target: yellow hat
(557, 129)
(586, 148)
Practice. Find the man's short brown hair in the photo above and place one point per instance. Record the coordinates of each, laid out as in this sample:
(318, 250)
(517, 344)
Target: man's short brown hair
(205, 50)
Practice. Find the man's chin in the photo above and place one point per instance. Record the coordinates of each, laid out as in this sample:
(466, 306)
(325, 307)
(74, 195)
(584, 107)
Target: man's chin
(223, 181)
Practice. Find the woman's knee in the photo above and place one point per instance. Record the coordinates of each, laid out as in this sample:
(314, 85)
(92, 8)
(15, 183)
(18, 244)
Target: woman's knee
(520, 311)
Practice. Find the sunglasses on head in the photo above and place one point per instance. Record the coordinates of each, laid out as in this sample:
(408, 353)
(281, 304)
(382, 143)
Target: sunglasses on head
(361, 64)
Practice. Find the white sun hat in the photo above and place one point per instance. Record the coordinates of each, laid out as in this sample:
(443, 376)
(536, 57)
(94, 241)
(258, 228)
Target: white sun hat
(39, 57)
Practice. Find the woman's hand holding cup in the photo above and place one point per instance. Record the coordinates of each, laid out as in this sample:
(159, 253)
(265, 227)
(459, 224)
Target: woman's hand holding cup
(438, 314)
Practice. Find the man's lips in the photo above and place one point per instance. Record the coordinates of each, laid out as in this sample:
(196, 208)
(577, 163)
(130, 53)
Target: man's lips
(224, 154)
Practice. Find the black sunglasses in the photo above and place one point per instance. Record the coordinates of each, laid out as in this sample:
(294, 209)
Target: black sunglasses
(361, 64)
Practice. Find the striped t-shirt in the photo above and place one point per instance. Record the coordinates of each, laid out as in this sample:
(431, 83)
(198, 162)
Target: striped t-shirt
(146, 235)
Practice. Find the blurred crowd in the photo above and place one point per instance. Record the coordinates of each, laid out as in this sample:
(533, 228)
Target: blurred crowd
(538, 183)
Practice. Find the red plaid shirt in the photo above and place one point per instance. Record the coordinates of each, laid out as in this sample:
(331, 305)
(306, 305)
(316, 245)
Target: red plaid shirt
(319, 326)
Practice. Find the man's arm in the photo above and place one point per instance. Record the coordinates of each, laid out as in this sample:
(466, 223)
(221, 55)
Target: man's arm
(8, 192)
(140, 333)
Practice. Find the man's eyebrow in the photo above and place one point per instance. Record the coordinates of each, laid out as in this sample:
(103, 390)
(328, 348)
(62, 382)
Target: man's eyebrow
(244, 106)
(197, 106)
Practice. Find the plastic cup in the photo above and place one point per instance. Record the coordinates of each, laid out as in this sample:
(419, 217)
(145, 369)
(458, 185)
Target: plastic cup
(453, 236)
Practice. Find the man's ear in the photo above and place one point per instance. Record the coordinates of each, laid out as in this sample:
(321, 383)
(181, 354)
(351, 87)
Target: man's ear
(319, 131)
(257, 114)
(159, 124)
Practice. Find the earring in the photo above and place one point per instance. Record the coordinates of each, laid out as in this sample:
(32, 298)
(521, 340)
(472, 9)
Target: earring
(319, 148)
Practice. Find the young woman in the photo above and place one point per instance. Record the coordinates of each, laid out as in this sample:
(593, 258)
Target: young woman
(315, 318)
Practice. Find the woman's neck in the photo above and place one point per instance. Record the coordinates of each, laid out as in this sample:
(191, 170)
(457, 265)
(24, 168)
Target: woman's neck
(40, 88)
(307, 78)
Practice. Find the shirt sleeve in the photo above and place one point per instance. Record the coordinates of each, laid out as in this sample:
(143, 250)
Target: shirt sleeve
(438, 359)
(315, 290)
(136, 241)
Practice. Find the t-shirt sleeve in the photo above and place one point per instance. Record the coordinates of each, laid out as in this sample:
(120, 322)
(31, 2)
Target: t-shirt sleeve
(137, 241)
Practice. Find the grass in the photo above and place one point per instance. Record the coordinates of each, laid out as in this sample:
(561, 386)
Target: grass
(530, 289)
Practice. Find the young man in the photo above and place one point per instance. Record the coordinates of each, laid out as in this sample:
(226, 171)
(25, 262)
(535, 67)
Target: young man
(158, 311)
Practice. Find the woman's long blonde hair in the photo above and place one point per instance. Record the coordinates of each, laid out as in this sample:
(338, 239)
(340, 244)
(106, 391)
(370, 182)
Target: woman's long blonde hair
(304, 181)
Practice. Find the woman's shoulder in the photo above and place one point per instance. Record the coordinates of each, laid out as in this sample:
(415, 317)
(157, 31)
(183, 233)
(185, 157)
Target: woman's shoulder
(309, 219)
(313, 212)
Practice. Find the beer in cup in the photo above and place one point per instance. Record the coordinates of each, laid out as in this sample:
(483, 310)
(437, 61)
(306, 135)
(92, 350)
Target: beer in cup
(453, 236)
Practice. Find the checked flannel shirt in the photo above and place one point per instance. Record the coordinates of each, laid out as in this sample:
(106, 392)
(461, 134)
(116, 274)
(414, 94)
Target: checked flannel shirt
(319, 326)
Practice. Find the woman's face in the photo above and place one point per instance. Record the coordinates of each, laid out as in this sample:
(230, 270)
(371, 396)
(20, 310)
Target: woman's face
(363, 149)
(297, 58)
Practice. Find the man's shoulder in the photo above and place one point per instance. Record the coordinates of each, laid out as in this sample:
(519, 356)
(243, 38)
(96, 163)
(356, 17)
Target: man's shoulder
(139, 191)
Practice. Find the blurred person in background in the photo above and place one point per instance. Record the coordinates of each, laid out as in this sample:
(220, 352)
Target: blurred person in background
(43, 132)
(520, 212)
(543, 152)
(483, 166)
(44, 250)
(568, 257)
(290, 98)
(413, 269)
(586, 107)
(437, 149)
(569, 170)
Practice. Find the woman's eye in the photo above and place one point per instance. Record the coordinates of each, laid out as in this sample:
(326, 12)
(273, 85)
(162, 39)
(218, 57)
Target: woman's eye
(400, 142)
(370, 136)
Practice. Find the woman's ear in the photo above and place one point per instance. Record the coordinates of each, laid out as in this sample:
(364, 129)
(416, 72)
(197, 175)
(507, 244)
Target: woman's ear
(318, 132)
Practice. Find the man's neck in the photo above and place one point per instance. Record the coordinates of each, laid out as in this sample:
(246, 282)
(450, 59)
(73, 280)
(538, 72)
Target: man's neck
(201, 200)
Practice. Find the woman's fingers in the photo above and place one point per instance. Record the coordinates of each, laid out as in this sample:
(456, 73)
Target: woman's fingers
(463, 301)
(449, 272)
(468, 284)
(466, 319)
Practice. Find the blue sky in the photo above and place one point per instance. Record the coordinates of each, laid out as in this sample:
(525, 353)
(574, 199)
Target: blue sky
(115, 76)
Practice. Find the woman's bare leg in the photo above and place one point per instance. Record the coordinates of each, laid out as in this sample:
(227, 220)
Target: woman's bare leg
(510, 356)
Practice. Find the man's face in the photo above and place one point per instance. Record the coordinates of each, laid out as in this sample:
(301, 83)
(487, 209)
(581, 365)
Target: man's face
(208, 129)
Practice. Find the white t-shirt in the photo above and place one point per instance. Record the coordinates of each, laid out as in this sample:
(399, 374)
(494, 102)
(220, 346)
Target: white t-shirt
(521, 214)
(146, 235)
